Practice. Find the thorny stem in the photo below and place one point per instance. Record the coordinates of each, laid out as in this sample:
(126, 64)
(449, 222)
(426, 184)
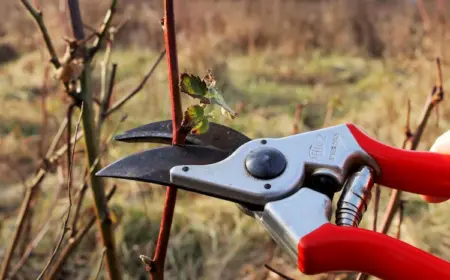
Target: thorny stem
(91, 144)
(157, 271)
(69, 184)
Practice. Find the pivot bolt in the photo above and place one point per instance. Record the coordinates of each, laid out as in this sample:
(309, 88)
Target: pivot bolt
(265, 163)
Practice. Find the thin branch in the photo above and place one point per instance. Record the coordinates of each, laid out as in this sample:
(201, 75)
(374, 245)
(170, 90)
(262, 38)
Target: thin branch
(103, 29)
(101, 264)
(283, 276)
(104, 76)
(436, 96)
(43, 229)
(38, 16)
(56, 138)
(73, 242)
(329, 114)
(171, 194)
(69, 133)
(297, 119)
(25, 208)
(362, 276)
(376, 206)
(69, 183)
(411, 142)
(41, 233)
(116, 106)
(423, 15)
(51, 157)
(270, 255)
(401, 210)
(78, 208)
(109, 93)
(106, 100)
(44, 110)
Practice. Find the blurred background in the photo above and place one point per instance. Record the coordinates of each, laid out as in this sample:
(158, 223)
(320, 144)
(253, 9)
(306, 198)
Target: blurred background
(285, 66)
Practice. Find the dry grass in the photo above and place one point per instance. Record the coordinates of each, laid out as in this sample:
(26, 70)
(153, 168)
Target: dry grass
(269, 55)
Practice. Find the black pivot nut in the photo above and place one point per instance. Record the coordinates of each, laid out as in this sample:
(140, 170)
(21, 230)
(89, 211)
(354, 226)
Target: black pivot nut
(265, 163)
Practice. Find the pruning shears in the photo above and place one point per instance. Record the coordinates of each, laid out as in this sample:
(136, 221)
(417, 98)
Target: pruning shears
(288, 185)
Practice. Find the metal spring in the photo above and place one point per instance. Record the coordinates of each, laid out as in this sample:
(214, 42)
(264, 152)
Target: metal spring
(355, 198)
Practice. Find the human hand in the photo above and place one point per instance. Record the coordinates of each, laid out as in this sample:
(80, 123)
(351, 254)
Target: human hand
(441, 145)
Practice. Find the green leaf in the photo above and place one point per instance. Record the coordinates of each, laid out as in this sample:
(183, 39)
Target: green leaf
(193, 86)
(214, 96)
(195, 120)
(205, 89)
(201, 127)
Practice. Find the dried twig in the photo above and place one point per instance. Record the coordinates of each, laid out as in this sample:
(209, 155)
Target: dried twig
(297, 119)
(433, 100)
(69, 183)
(69, 133)
(116, 106)
(157, 271)
(78, 208)
(42, 230)
(283, 276)
(73, 243)
(101, 264)
(376, 206)
(50, 158)
(411, 142)
(423, 15)
(44, 110)
(104, 92)
(103, 29)
(401, 210)
(270, 254)
(106, 100)
(38, 16)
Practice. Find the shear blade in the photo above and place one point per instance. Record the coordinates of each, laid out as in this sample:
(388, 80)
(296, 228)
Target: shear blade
(218, 136)
(153, 166)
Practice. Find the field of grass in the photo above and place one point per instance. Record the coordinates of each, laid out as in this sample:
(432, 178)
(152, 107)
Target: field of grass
(211, 239)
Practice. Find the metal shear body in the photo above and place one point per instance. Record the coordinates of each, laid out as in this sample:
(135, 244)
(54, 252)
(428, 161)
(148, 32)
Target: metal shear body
(288, 185)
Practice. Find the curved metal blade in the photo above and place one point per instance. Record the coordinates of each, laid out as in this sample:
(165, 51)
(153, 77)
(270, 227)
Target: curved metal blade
(219, 136)
(153, 166)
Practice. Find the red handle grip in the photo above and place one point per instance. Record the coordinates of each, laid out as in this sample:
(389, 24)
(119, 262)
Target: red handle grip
(425, 173)
(334, 248)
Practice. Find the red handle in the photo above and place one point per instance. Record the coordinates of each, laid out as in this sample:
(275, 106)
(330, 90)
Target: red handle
(335, 248)
(425, 173)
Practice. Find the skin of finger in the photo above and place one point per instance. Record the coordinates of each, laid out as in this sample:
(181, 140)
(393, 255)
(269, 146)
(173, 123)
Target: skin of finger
(441, 145)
